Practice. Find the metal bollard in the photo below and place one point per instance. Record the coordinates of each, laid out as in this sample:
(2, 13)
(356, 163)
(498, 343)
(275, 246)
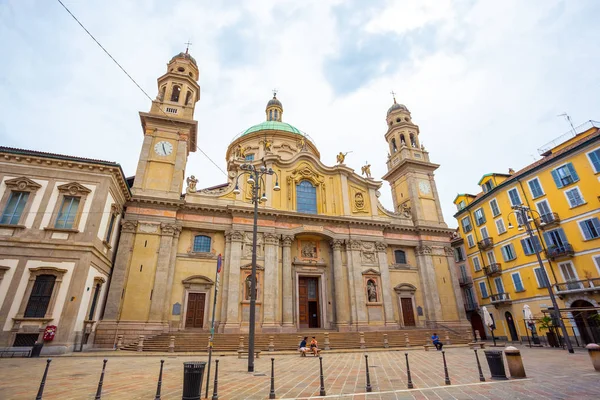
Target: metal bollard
(193, 373)
(159, 385)
(272, 391)
(140, 345)
(101, 382)
(326, 342)
(481, 377)
(447, 378)
(271, 344)
(368, 388)
(322, 389)
(594, 352)
(515, 362)
(43, 382)
(215, 395)
(172, 344)
(386, 344)
(362, 340)
(410, 384)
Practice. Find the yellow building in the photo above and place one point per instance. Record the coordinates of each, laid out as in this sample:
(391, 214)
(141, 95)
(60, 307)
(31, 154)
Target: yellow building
(562, 190)
(330, 256)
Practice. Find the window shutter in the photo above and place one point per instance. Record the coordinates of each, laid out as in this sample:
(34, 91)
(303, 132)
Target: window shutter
(536, 244)
(503, 251)
(595, 158)
(572, 172)
(596, 224)
(525, 247)
(556, 178)
(562, 235)
(587, 234)
(572, 198)
(548, 239)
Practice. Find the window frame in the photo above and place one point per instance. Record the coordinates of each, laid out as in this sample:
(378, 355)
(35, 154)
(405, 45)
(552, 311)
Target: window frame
(468, 218)
(572, 174)
(396, 258)
(541, 285)
(499, 279)
(477, 220)
(33, 274)
(202, 235)
(470, 241)
(476, 264)
(539, 183)
(574, 188)
(482, 230)
(510, 199)
(588, 154)
(512, 275)
(72, 189)
(503, 226)
(597, 227)
(20, 184)
(482, 289)
(316, 197)
(537, 206)
(530, 246)
(504, 253)
(494, 201)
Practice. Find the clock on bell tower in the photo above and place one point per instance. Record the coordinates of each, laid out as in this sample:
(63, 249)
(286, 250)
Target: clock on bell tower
(410, 173)
(170, 131)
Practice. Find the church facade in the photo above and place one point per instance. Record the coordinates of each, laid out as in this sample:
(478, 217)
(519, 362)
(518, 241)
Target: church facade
(329, 255)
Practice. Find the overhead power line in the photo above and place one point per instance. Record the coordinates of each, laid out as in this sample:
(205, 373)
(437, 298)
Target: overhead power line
(133, 80)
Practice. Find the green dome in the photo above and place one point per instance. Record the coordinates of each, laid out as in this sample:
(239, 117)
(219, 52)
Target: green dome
(272, 126)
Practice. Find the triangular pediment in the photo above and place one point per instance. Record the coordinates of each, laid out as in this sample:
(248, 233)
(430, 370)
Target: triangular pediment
(371, 271)
(249, 266)
(22, 183)
(73, 188)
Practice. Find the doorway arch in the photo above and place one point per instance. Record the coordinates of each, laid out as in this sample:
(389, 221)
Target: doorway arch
(587, 324)
(511, 326)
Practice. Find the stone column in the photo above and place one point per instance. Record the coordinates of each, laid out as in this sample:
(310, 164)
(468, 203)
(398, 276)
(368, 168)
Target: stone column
(431, 296)
(161, 275)
(460, 305)
(171, 273)
(354, 268)
(385, 283)
(288, 302)
(224, 289)
(341, 288)
(233, 292)
(120, 270)
(271, 281)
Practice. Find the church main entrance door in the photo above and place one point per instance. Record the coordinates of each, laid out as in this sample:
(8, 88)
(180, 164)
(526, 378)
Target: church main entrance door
(308, 302)
(194, 317)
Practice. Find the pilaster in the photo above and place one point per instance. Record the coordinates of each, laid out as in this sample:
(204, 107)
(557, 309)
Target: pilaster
(354, 268)
(271, 284)
(233, 293)
(342, 314)
(433, 306)
(286, 255)
(385, 283)
(170, 275)
(223, 296)
(460, 306)
(161, 275)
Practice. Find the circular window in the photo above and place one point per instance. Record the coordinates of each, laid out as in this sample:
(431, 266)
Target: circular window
(181, 69)
(397, 119)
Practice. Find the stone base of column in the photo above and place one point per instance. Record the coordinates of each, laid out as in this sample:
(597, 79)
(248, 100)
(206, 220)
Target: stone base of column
(288, 328)
(231, 327)
(345, 327)
(270, 327)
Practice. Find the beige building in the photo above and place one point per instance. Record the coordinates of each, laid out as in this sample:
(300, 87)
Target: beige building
(330, 256)
(58, 230)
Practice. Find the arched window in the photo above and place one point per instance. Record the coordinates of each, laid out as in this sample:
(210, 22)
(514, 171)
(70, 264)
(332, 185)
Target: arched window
(371, 291)
(412, 140)
(188, 97)
(40, 296)
(270, 115)
(175, 93)
(399, 257)
(306, 198)
(276, 114)
(402, 140)
(394, 147)
(202, 244)
(161, 96)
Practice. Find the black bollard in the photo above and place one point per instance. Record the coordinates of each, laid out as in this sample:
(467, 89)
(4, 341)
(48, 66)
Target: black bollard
(481, 377)
(322, 391)
(410, 384)
(99, 390)
(272, 391)
(157, 397)
(447, 381)
(369, 388)
(43, 382)
(215, 395)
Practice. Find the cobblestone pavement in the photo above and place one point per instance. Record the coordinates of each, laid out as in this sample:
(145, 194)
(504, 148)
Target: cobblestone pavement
(551, 374)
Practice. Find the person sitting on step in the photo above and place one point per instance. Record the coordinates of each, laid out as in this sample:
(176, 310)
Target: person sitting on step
(314, 348)
(437, 342)
(302, 347)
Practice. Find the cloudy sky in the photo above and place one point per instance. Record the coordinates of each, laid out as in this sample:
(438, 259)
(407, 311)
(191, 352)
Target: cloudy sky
(484, 80)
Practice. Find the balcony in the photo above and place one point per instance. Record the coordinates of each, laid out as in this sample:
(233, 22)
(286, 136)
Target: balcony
(485, 244)
(570, 287)
(471, 306)
(493, 269)
(465, 280)
(547, 220)
(555, 252)
(500, 298)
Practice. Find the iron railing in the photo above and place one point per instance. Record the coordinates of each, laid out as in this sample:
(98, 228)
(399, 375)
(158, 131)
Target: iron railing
(585, 285)
(493, 269)
(485, 243)
(546, 221)
(500, 298)
(565, 250)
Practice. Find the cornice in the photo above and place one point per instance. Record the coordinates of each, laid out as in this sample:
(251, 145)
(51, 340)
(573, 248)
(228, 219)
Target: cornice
(408, 163)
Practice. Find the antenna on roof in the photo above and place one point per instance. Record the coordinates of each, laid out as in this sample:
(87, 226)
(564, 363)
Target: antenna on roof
(568, 118)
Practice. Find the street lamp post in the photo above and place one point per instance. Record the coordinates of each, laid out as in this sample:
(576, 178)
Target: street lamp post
(522, 211)
(255, 178)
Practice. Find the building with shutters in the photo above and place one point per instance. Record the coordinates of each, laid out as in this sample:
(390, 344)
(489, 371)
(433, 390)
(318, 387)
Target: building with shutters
(499, 268)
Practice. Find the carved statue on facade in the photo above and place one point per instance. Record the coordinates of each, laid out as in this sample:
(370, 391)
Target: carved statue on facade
(302, 143)
(366, 170)
(405, 209)
(240, 152)
(371, 291)
(341, 157)
(359, 201)
(191, 182)
(248, 286)
(268, 145)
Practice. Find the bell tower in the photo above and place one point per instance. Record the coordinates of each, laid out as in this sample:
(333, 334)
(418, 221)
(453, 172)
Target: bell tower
(170, 131)
(410, 173)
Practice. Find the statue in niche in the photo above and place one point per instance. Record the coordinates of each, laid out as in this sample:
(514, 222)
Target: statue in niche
(359, 201)
(191, 182)
(309, 250)
(366, 169)
(406, 211)
(268, 145)
(371, 291)
(248, 283)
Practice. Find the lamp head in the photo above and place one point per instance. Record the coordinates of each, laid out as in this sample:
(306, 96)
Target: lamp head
(510, 225)
(520, 228)
(276, 188)
(250, 180)
(237, 190)
(264, 197)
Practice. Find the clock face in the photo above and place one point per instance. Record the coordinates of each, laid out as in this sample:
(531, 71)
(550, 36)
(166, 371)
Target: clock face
(424, 187)
(163, 148)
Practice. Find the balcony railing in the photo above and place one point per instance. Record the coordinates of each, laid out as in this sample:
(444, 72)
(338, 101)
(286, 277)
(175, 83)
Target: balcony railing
(465, 280)
(500, 298)
(493, 269)
(586, 285)
(565, 250)
(471, 306)
(485, 243)
(549, 220)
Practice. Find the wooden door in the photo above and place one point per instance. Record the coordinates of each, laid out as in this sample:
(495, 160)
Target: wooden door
(195, 310)
(303, 302)
(408, 314)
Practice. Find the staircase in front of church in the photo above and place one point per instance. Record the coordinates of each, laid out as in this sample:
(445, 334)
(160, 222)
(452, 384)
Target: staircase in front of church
(190, 341)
